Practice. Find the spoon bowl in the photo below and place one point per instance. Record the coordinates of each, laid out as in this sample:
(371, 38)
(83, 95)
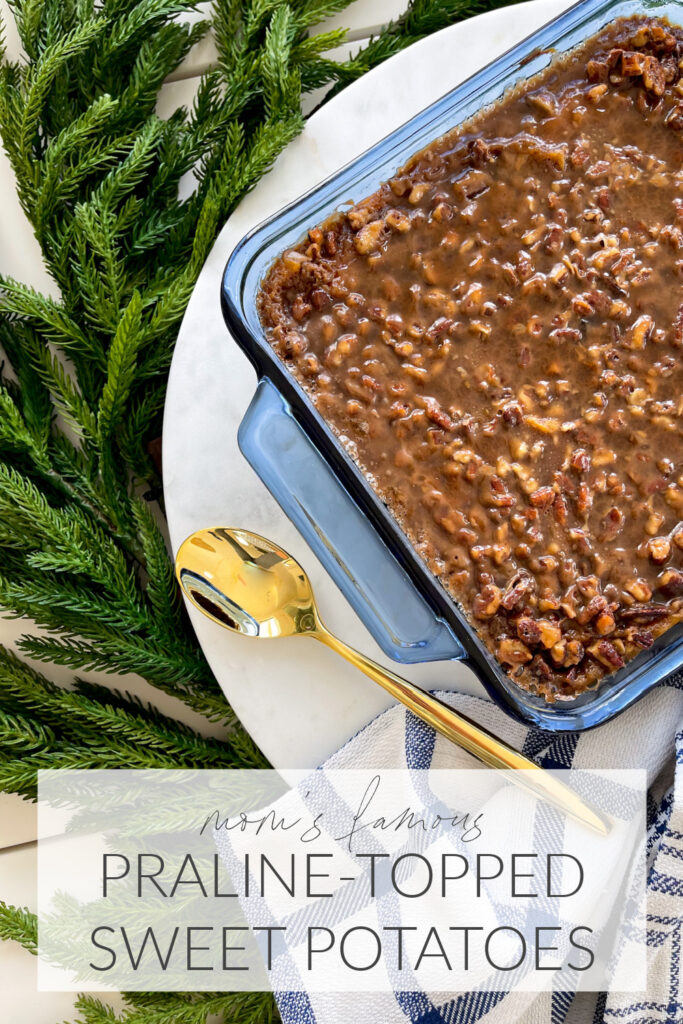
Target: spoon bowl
(246, 583)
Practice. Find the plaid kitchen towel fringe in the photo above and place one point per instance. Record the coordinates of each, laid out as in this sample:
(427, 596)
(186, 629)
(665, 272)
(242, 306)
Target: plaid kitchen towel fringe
(649, 736)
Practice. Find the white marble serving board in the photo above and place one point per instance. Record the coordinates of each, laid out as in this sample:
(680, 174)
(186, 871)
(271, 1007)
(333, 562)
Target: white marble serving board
(299, 701)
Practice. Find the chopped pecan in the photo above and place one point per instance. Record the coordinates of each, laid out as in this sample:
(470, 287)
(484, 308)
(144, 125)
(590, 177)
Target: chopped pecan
(639, 589)
(671, 582)
(605, 623)
(320, 298)
(369, 237)
(294, 344)
(659, 549)
(494, 493)
(437, 415)
(529, 630)
(641, 637)
(301, 308)
(567, 653)
(605, 652)
(575, 653)
(560, 510)
(519, 587)
(580, 460)
(487, 601)
(559, 652)
(654, 76)
(397, 221)
(542, 498)
(595, 606)
(512, 413)
(479, 152)
(513, 652)
(640, 331)
(645, 615)
(359, 217)
(632, 63)
(440, 326)
(612, 524)
(567, 334)
(550, 632)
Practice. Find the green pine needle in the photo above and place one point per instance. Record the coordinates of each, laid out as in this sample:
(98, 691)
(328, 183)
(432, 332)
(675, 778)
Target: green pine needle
(17, 924)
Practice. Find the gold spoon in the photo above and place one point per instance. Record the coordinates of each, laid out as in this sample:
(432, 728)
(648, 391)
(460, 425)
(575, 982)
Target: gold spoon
(251, 586)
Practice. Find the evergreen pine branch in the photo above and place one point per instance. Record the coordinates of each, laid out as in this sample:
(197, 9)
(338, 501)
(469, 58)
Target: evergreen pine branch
(94, 1011)
(64, 392)
(43, 725)
(38, 79)
(162, 591)
(47, 316)
(17, 924)
(20, 734)
(182, 1008)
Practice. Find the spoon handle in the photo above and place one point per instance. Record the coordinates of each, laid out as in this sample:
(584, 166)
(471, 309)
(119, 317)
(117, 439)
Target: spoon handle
(466, 734)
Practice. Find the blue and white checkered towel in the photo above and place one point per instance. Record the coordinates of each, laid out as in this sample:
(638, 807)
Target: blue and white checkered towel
(649, 736)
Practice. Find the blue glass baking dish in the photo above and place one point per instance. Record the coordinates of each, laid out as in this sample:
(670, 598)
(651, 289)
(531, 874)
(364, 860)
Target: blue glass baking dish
(319, 486)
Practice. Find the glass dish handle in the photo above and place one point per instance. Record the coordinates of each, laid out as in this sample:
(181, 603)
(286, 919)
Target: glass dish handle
(357, 559)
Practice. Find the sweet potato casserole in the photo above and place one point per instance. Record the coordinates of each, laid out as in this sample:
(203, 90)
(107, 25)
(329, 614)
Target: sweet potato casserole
(496, 337)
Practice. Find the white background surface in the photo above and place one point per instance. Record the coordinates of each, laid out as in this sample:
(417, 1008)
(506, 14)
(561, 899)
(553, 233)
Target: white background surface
(324, 699)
